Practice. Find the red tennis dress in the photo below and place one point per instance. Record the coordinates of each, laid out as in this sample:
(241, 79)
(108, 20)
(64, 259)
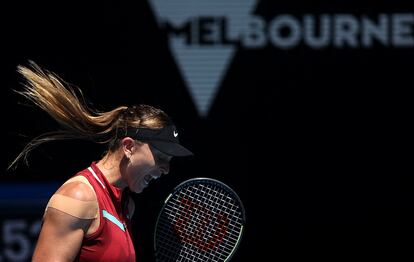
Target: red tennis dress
(112, 241)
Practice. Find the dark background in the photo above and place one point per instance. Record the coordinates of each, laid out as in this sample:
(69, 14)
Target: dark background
(315, 142)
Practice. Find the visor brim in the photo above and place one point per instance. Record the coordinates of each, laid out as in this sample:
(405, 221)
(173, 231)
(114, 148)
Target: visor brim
(171, 149)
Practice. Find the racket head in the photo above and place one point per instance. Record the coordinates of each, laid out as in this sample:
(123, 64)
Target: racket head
(203, 219)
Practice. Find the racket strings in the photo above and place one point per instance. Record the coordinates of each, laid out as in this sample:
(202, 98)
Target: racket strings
(200, 223)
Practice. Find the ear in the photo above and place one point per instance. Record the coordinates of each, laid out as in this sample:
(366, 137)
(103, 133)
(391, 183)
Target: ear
(128, 145)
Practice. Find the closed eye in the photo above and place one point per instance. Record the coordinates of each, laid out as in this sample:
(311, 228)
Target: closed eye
(159, 156)
(162, 158)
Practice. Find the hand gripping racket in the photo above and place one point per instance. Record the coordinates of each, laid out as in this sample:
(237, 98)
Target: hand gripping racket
(201, 220)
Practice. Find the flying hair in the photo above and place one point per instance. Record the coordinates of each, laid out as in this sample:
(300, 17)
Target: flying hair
(59, 99)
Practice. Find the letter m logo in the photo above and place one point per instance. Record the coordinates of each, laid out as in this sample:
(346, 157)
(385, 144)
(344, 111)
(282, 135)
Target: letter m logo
(202, 67)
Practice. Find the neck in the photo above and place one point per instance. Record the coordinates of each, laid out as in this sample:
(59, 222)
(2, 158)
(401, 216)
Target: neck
(110, 166)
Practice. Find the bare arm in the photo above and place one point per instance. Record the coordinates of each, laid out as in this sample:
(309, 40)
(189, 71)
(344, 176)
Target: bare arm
(61, 235)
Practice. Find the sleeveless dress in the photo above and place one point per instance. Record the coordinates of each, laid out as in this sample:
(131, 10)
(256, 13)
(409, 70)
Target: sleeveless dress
(112, 241)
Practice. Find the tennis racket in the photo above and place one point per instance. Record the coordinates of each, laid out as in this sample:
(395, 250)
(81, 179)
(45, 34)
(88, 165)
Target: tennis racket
(201, 220)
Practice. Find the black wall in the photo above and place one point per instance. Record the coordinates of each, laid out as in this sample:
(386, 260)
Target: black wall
(314, 141)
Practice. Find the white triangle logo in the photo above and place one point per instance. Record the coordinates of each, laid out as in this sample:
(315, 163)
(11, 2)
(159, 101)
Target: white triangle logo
(203, 67)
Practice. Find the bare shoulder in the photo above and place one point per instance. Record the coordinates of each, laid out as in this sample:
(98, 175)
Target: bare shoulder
(77, 190)
(77, 199)
(68, 217)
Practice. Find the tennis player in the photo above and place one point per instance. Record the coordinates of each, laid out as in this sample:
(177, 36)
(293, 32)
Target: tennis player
(88, 217)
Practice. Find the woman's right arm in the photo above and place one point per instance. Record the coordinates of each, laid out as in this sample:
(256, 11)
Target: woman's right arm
(62, 232)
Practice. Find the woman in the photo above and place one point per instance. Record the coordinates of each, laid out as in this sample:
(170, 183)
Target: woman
(88, 218)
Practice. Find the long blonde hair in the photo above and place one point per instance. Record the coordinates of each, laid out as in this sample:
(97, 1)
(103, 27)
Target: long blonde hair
(53, 95)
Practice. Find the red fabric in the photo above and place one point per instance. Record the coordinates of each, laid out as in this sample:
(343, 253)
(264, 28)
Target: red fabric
(109, 242)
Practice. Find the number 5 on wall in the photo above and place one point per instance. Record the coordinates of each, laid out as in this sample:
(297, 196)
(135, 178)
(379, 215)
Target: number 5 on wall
(17, 246)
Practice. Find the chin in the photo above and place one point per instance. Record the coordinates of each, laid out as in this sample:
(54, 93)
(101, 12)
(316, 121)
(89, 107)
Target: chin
(136, 188)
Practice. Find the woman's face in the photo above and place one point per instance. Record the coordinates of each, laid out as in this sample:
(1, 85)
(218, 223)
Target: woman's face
(145, 163)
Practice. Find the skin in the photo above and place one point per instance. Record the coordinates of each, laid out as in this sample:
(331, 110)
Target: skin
(133, 165)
